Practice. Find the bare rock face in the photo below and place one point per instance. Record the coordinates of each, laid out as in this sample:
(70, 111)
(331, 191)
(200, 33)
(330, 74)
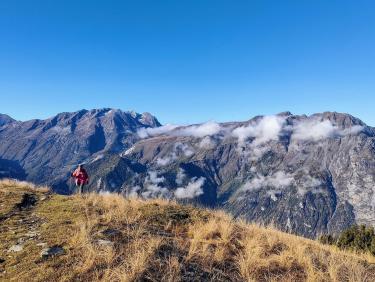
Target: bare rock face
(5, 119)
(48, 149)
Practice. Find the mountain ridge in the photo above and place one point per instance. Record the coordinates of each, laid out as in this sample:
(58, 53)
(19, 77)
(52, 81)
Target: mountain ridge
(309, 175)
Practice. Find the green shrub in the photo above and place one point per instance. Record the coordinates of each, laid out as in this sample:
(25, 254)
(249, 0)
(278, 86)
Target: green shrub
(357, 238)
(327, 239)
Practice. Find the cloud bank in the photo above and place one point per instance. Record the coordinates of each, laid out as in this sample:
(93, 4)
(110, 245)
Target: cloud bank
(153, 189)
(192, 190)
(267, 129)
(278, 180)
(316, 130)
(199, 131)
(179, 149)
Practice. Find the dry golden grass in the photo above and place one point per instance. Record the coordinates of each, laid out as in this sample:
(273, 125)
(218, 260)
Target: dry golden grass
(109, 238)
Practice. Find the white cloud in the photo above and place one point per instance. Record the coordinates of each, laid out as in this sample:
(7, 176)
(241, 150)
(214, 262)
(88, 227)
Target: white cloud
(313, 130)
(316, 130)
(155, 131)
(206, 129)
(155, 191)
(304, 183)
(179, 149)
(153, 188)
(154, 178)
(351, 130)
(180, 176)
(166, 160)
(277, 180)
(266, 129)
(307, 183)
(185, 149)
(133, 192)
(199, 131)
(192, 190)
(207, 143)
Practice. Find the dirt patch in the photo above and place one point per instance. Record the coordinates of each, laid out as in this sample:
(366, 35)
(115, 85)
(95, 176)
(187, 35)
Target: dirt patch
(28, 201)
(274, 271)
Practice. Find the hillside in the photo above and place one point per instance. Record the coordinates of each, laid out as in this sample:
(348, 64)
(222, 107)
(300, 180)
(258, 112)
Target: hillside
(49, 237)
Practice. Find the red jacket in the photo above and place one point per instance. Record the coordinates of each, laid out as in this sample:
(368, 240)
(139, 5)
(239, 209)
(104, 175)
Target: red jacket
(81, 176)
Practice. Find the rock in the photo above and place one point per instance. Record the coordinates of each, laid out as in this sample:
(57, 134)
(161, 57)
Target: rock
(28, 201)
(15, 248)
(31, 234)
(105, 243)
(2, 260)
(111, 232)
(41, 244)
(52, 252)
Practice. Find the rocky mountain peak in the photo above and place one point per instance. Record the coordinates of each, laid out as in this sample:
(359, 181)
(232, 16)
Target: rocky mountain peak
(341, 120)
(5, 119)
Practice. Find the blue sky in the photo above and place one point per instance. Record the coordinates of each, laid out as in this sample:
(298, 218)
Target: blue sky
(187, 61)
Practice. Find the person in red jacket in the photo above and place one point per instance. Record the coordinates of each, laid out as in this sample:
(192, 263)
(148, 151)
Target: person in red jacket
(81, 178)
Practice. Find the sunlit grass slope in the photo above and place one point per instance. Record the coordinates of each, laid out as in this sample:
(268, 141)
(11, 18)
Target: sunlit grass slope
(109, 238)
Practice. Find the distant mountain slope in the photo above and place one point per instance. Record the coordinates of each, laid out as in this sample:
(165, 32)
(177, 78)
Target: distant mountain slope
(304, 174)
(49, 237)
(48, 149)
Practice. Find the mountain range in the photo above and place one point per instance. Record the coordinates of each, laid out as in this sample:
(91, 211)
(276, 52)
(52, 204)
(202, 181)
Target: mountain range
(309, 175)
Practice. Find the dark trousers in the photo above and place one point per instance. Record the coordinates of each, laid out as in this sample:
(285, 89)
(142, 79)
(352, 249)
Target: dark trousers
(80, 188)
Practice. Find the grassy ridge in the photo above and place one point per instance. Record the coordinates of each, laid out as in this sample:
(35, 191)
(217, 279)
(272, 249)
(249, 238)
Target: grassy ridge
(109, 238)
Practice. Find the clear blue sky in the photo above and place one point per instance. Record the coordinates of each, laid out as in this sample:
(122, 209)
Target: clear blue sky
(187, 61)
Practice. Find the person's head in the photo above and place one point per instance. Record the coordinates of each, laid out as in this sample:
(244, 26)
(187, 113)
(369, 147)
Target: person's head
(80, 166)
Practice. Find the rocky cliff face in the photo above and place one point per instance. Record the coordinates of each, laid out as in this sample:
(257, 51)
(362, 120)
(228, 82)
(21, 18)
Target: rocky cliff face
(48, 149)
(304, 174)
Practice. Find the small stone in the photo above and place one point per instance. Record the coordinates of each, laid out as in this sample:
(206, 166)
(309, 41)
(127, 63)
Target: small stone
(111, 232)
(106, 243)
(52, 252)
(20, 240)
(31, 234)
(15, 248)
(41, 244)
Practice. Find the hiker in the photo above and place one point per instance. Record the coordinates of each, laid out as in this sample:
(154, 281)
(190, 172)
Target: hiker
(81, 178)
